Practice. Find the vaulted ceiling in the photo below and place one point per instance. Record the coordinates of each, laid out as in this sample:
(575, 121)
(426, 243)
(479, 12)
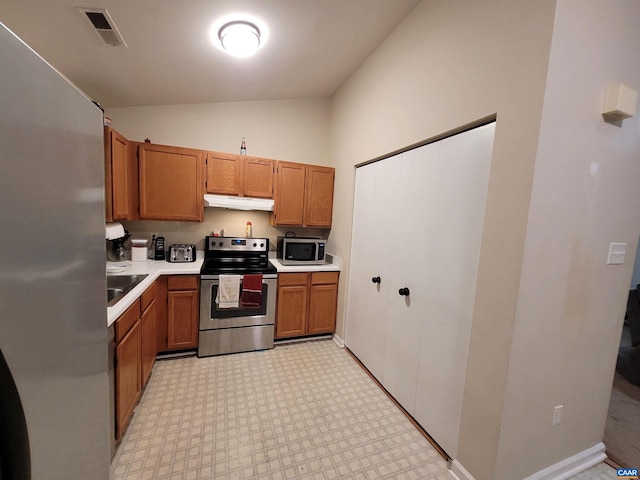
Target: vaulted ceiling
(312, 47)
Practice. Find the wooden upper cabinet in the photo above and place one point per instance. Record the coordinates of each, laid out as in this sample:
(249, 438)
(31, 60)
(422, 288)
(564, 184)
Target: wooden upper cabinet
(303, 195)
(230, 174)
(121, 189)
(258, 177)
(171, 183)
(225, 173)
(319, 196)
(289, 194)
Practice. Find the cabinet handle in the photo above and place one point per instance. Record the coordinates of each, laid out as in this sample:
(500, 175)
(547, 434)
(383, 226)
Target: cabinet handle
(404, 291)
(375, 279)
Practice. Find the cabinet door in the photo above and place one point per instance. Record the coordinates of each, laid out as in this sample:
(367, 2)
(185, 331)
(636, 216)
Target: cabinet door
(120, 188)
(182, 325)
(127, 320)
(292, 304)
(128, 384)
(289, 194)
(225, 173)
(148, 341)
(318, 196)
(171, 183)
(322, 309)
(162, 314)
(258, 177)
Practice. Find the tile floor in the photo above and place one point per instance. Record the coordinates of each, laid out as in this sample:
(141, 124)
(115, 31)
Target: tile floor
(299, 411)
(601, 471)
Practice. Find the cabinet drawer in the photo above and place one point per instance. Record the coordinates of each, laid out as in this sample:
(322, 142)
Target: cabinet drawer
(285, 279)
(148, 296)
(324, 278)
(183, 282)
(127, 320)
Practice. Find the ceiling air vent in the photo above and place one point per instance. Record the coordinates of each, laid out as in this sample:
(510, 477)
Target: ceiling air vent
(103, 25)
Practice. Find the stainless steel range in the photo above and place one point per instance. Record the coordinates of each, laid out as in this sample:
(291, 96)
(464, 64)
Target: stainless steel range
(234, 318)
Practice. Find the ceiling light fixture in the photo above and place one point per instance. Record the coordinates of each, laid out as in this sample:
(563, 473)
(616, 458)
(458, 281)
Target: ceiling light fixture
(239, 38)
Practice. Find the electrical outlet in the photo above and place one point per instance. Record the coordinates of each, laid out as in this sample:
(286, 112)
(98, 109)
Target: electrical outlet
(557, 415)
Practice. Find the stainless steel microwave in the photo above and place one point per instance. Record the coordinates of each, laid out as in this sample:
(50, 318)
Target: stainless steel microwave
(301, 250)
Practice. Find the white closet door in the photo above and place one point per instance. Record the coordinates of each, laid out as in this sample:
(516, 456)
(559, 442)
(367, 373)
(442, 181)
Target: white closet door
(463, 178)
(375, 207)
(412, 257)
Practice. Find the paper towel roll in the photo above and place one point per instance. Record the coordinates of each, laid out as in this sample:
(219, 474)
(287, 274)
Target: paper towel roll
(114, 230)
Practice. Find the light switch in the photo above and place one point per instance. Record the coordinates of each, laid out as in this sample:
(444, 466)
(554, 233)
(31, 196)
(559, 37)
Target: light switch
(616, 253)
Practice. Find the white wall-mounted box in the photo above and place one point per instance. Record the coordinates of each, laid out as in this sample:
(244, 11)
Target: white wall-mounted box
(619, 102)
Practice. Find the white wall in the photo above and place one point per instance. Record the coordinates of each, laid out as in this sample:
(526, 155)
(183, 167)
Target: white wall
(292, 130)
(448, 64)
(571, 304)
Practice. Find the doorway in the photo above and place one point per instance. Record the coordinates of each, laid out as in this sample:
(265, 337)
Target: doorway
(622, 430)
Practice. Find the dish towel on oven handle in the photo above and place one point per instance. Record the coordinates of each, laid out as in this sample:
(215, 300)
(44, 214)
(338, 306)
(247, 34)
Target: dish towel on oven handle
(228, 291)
(251, 290)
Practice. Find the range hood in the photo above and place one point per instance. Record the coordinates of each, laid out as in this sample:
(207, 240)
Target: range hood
(238, 203)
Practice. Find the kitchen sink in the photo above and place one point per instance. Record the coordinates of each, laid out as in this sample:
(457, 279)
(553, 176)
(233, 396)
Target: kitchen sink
(119, 285)
(113, 294)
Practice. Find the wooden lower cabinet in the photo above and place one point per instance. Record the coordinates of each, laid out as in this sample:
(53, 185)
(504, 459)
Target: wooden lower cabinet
(148, 332)
(177, 312)
(183, 303)
(306, 304)
(128, 368)
(292, 304)
(322, 308)
(135, 355)
(165, 317)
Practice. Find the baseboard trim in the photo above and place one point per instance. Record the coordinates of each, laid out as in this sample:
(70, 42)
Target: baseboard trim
(339, 341)
(458, 472)
(563, 470)
(571, 466)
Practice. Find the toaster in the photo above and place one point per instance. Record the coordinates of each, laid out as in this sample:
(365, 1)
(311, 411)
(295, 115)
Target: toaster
(181, 253)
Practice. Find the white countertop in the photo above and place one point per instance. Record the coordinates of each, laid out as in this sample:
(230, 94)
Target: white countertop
(334, 266)
(155, 268)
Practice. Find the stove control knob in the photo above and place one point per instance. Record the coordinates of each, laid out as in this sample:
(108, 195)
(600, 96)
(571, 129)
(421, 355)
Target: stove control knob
(262, 245)
(255, 244)
(220, 244)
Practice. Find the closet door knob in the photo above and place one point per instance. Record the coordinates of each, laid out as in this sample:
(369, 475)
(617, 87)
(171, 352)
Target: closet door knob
(375, 279)
(404, 291)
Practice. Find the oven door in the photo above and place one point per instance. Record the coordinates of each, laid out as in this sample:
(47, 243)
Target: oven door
(213, 318)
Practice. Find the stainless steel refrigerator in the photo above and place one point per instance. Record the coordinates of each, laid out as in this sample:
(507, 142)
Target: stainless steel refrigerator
(54, 391)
